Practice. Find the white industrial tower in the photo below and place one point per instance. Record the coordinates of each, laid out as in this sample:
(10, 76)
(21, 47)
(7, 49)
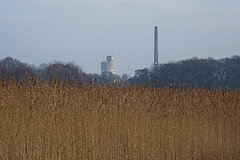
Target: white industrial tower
(108, 66)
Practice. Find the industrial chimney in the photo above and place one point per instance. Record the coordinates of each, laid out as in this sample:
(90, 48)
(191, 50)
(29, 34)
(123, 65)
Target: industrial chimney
(155, 47)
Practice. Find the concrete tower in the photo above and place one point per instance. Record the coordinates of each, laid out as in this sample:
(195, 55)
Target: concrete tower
(108, 66)
(155, 47)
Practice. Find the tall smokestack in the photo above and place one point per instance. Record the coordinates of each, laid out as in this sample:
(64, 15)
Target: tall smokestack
(155, 46)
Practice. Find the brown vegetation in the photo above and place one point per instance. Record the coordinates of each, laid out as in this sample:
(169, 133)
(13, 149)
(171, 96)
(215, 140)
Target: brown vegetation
(42, 122)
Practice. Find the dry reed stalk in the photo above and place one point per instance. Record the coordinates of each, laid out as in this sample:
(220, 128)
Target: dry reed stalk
(58, 122)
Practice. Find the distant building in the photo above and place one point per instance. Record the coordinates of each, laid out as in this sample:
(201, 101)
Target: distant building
(108, 66)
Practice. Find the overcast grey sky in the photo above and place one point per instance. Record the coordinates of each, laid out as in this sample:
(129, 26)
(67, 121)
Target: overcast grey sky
(86, 31)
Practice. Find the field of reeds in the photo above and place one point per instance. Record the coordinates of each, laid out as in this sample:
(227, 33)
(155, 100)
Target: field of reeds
(58, 122)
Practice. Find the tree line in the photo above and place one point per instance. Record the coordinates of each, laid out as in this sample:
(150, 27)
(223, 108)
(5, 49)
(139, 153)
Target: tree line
(60, 71)
(207, 73)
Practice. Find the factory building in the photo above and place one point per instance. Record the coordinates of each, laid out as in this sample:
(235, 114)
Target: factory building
(108, 66)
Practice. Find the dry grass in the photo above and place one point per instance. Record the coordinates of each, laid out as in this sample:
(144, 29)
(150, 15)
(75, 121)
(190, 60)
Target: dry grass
(43, 122)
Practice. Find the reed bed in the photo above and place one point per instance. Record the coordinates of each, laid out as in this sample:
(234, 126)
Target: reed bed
(58, 122)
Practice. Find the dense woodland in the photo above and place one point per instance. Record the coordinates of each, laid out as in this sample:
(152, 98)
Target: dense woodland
(10, 67)
(207, 73)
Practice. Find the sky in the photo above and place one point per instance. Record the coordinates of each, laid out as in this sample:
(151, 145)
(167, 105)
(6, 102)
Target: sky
(86, 31)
